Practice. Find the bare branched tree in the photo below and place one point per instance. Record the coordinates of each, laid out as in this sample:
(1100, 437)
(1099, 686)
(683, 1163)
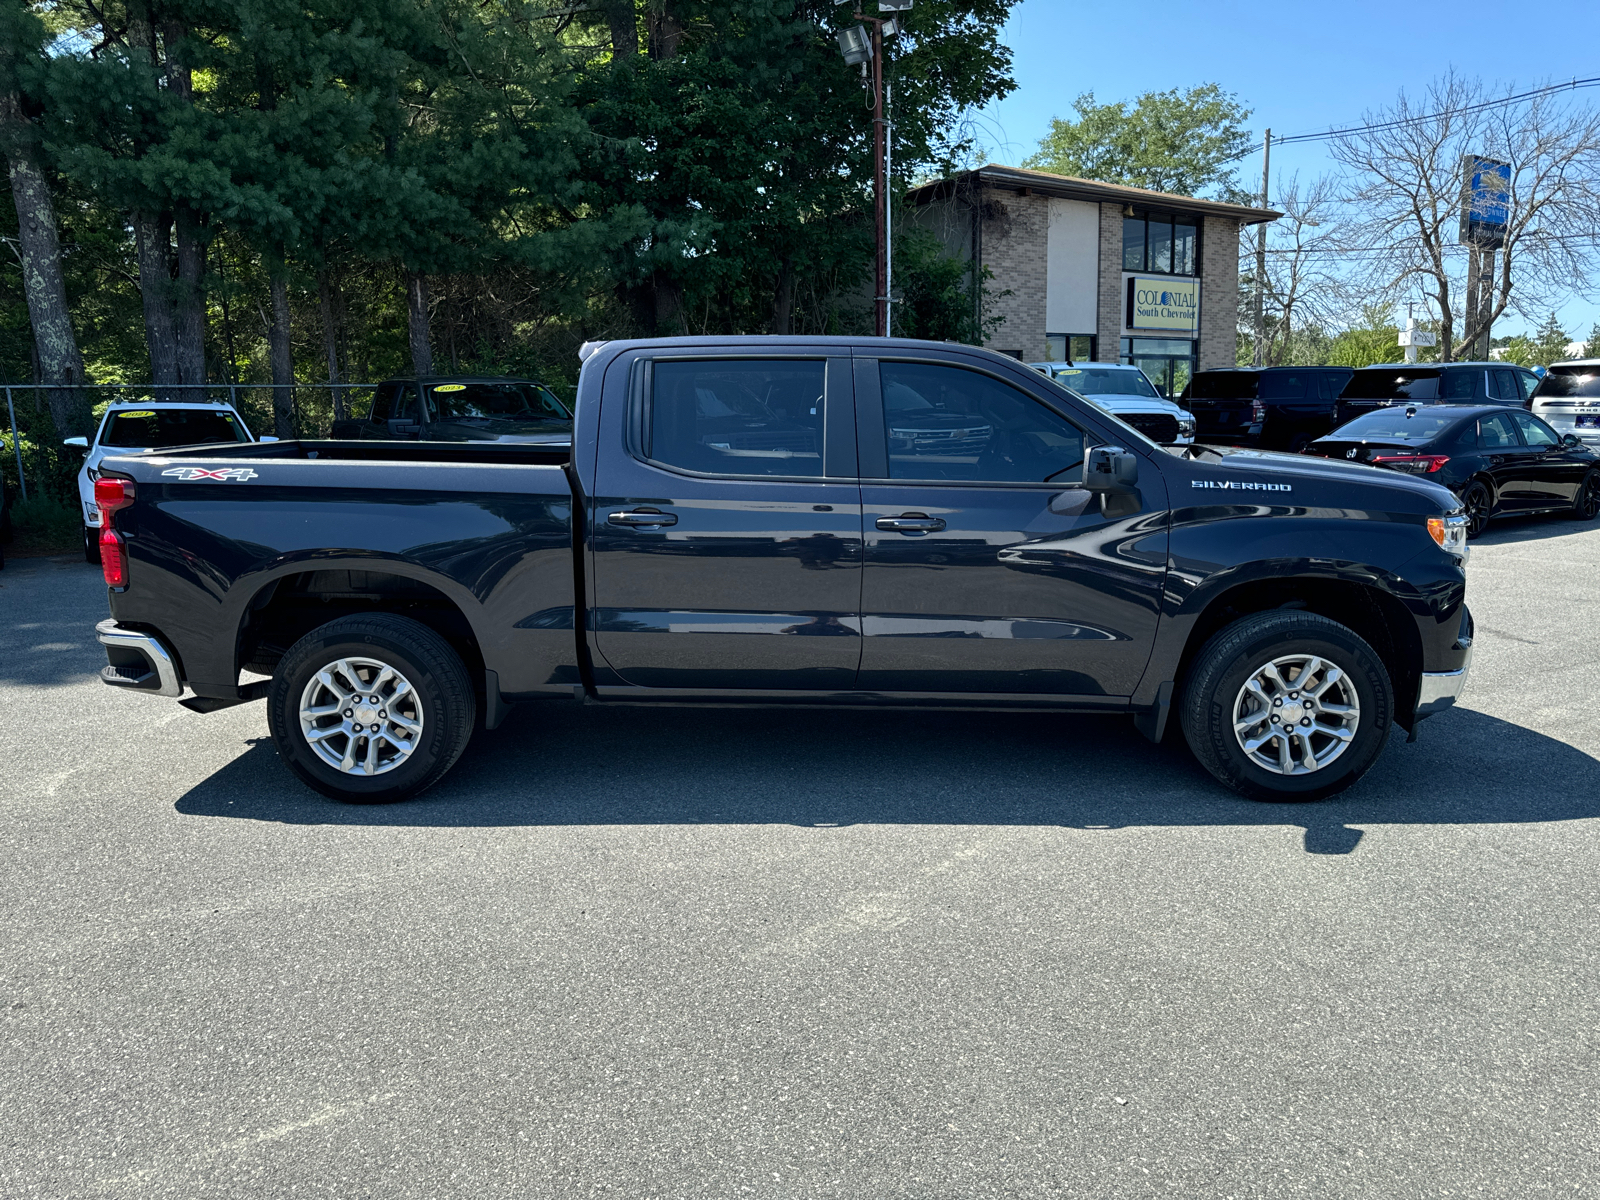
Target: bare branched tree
(1304, 286)
(1405, 184)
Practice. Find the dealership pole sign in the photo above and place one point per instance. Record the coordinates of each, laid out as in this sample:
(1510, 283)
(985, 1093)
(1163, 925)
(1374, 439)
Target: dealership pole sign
(1485, 201)
(1168, 305)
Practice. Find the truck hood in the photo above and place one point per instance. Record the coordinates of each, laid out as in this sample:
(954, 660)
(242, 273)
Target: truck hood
(1134, 404)
(1267, 466)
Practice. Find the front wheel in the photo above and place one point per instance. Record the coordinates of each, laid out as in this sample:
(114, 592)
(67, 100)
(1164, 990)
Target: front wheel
(1586, 504)
(371, 709)
(1287, 705)
(1479, 506)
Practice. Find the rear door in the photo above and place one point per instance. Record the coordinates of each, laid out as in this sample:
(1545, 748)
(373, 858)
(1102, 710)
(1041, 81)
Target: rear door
(989, 570)
(726, 526)
(1508, 460)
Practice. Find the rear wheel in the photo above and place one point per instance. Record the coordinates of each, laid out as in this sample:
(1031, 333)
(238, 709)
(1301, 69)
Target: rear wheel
(1479, 505)
(371, 709)
(1586, 504)
(1287, 705)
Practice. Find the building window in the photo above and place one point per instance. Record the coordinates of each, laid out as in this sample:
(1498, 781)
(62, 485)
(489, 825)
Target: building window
(1160, 243)
(1069, 347)
(1169, 362)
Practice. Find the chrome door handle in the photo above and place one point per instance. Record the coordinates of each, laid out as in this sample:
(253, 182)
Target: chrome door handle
(911, 523)
(643, 518)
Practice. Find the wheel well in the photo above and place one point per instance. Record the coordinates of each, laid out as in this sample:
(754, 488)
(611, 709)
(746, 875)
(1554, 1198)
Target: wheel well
(287, 609)
(1381, 620)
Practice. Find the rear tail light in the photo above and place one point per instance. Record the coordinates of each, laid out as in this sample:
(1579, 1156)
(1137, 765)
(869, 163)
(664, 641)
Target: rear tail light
(112, 495)
(1416, 464)
(1258, 412)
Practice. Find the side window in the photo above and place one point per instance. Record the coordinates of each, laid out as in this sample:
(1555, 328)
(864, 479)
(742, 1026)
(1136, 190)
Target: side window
(1506, 386)
(1458, 385)
(1529, 381)
(405, 403)
(1496, 432)
(949, 423)
(383, 403)
(1534, 431)
(1282, 385)
(737, 417)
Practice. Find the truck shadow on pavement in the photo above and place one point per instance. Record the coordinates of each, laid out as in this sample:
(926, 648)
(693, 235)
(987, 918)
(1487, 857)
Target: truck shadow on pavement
(563, 766)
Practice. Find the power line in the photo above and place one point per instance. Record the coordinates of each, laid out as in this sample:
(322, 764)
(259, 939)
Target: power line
(1481, 106)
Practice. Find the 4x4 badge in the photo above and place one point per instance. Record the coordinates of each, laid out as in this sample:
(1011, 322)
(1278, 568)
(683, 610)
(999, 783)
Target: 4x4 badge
(224, 474)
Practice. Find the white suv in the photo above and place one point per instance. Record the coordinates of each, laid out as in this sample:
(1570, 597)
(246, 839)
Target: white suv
(133, 428)
(1127, 393)
(1568, 399)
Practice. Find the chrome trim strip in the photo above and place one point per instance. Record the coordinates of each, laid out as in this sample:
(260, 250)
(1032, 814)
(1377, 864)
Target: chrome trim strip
(109, 633)
(1439, 690)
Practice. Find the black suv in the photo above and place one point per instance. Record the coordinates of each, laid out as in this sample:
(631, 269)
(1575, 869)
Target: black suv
(1425, 383)
(461, 408)
(1275, 408)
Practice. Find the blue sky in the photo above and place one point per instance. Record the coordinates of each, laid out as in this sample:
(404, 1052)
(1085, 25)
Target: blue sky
(1300, 68)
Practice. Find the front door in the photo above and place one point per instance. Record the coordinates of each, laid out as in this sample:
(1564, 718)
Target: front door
(1555, 473)
(727, 538)
(989, 569)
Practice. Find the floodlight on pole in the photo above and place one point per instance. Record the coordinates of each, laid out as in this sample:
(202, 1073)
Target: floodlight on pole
(855, 45)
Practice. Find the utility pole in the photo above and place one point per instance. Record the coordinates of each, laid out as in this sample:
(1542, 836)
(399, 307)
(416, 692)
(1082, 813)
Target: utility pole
(867, 53)
(1259, 357)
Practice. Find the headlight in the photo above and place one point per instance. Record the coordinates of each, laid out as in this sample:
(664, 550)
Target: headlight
(1450, 532)
(1185, 428)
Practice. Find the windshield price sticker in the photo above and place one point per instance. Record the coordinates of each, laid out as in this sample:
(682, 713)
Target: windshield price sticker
(1240, 485)
(451, 387)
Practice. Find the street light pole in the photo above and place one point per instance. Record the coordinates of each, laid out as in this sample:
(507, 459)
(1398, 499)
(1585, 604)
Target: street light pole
(879, 190)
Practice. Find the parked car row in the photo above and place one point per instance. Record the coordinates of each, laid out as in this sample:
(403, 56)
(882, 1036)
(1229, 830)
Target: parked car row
(1502, 439)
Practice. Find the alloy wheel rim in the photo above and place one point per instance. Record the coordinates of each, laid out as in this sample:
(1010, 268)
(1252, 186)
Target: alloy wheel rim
(1591, 497)
(1296, 714)
(1477, 510)
(360, 716)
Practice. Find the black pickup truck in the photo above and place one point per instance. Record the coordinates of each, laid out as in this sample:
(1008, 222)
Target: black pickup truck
(736, 522)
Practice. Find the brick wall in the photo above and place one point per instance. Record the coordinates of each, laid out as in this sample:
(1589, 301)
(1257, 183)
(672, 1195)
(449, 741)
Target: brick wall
(1219, 292)
(1016, 230)
(1112, 301)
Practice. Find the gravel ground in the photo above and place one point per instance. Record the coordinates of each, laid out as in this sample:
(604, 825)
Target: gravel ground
(780, 954)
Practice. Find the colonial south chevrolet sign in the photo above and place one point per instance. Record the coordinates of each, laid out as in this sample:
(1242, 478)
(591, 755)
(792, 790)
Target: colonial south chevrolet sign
(1170, 305)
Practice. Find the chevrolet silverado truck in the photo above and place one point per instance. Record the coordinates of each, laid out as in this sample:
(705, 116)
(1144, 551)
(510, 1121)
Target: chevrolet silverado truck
(743, 521)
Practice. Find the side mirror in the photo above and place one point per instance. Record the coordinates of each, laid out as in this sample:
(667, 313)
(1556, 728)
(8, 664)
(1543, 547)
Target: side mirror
(1571, 439)
(80, 443)
(264, 438)
(1111, 470)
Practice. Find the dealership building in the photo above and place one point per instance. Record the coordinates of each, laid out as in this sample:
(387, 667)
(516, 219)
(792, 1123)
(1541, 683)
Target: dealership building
(1096, 272)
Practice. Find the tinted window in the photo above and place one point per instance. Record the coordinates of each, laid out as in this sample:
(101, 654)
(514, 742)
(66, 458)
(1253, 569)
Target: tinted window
(383, 402)
(162, 428)
(1331, 383)
(1572, 382)
(1092, 382)
(1506, 387)
(1459, 385)
(1534, 431)
(1133, 243)
(1282, 385)
(947, 423)
(1527, 381)
(1185, 259)
(1160, 245)
(1224, 385)
(1497, 432)
(1420, 425)
(496, 401)
(733, 417)
(1393, 383)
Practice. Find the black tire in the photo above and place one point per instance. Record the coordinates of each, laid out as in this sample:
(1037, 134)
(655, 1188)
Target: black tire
(1298, 443)
(1478, 502)
(1586, 504)
(1226, 662)
(91, 545)
(443, 699)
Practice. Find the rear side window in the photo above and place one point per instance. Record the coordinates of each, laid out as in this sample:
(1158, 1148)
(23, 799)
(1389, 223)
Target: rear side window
(1331, 383)
(1506, 386)
(1391, 383)
(163, 428)
(737, 417)
(1283, 385)
(1496, 432)
(1576, 383)
(1459, 385)
(949, 423)
(383, 402)
(1223, 385)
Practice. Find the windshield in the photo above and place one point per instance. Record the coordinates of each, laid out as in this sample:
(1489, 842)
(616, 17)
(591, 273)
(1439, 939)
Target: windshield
(497, 401)
(1092, 382)
(1131, 435)
(1578, 382)
(1392, 383)
(1222, 385)
(1410, 425)
(163, 428)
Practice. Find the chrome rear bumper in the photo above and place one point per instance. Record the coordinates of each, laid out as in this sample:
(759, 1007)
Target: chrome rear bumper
(139, 661)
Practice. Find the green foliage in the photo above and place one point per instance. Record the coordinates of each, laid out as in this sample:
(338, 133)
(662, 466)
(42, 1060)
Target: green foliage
(44, 523)
(1172, 141)
(1547, 345)
(936, 290)
(1591, 348)
(1375, 340)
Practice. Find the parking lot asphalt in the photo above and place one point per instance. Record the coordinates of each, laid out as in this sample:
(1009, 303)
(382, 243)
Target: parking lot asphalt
(797, 954)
